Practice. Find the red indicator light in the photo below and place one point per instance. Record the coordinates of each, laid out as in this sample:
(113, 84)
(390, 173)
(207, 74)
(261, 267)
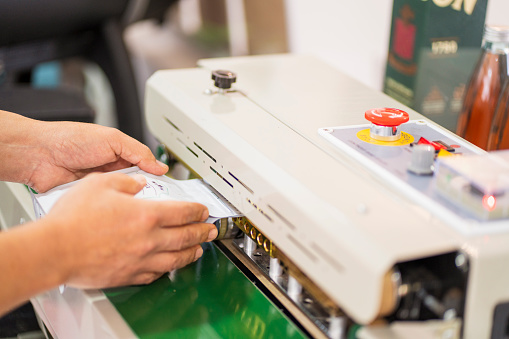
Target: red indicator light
(489, 202)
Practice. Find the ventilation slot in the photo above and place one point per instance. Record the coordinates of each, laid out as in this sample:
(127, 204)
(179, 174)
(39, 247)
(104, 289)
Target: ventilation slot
(190, 150)
(219, 175)
(283, 219)
(171, 123)
(226, 181)
(240, 182)
(259, 210)
(303, 249)
(213, 170)
(206, 153)
(327, 257)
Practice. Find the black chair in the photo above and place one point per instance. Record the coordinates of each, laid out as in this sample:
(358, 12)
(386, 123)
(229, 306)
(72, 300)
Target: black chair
(32, 32)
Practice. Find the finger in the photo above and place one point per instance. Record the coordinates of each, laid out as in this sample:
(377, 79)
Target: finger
(114, 166)
(138, 154)
(182, 237)
(119, 182)
(176, 213)
(169, 261)
(144, 278)
(155, 167)
(91, 175)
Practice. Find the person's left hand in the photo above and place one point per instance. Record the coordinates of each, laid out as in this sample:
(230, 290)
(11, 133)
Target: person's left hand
(70, 150)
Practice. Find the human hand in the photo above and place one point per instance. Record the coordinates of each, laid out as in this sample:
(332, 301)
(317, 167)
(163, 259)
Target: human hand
(108, 238)
(70, 150)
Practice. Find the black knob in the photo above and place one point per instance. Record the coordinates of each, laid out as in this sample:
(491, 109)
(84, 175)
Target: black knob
(223, 79)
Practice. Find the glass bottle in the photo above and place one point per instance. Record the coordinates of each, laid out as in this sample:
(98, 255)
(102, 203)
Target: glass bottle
(483, 91)
(499, 134)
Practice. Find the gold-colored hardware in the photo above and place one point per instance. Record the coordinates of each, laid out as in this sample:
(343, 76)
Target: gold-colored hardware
(260, 239)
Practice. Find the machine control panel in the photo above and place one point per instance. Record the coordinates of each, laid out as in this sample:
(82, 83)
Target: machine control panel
(407, 154)
(478, 183)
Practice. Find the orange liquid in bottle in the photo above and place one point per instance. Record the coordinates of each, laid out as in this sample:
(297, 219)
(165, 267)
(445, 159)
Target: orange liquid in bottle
(474, 122)
(499, 136)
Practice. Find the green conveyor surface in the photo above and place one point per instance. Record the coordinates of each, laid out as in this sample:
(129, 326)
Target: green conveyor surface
(210, 298)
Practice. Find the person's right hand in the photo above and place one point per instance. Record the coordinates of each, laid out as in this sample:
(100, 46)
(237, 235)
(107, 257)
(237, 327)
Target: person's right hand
(108, 238)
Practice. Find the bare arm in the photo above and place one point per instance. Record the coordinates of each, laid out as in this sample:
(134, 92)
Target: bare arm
(99, 236)
(46, 154)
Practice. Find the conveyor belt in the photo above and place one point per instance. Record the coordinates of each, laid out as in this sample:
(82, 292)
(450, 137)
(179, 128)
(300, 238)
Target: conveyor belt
(211, 298)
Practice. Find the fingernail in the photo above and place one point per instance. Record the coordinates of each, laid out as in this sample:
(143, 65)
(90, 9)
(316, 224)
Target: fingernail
(205, 214)
(140, 178)
(162, 164)
(198, 253)
(212, 234)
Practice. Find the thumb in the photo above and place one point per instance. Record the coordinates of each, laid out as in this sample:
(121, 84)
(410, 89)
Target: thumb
(151, 165)
(122, 182)
(140, 155)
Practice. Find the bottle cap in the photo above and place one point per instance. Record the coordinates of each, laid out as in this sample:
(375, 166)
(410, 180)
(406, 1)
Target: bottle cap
(496, 33)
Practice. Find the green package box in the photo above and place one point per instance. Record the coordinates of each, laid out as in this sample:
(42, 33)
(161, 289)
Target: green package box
(433, 49)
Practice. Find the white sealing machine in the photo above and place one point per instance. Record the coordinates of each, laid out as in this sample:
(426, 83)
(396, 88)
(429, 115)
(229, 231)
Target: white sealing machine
(365, 216)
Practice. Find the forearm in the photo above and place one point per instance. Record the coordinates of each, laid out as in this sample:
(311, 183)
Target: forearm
(30, 263)
(21, 149)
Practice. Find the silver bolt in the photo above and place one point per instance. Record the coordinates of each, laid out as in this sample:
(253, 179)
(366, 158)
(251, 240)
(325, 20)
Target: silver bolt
(450, 314)
(249, 245)
(275, 269)
(461, 262)
(294, 289)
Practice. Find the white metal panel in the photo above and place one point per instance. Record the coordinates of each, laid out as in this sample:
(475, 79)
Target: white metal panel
(342, 223)
(290, 171)
(341, 100)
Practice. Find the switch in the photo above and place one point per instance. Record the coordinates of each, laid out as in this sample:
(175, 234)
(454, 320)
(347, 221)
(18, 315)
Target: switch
(437, 144)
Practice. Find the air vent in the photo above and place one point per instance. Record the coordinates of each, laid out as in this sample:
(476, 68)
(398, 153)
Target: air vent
(240, 182)
(190, 150)
(283, 219)
(219, 175)
(332, 261)
(259, 210)
(171, 123)
(206, 153)
(302, 248)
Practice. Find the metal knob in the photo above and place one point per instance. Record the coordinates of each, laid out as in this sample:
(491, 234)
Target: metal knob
(423, 157)
(223, 79)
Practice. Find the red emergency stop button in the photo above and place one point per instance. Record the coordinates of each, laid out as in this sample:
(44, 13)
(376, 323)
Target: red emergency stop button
(385, 122)
(386, 116)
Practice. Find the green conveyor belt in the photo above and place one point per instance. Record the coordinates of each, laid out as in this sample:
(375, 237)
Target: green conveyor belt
(210, 298)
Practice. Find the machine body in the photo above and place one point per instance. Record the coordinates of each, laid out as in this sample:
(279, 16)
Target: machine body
(357, 221)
